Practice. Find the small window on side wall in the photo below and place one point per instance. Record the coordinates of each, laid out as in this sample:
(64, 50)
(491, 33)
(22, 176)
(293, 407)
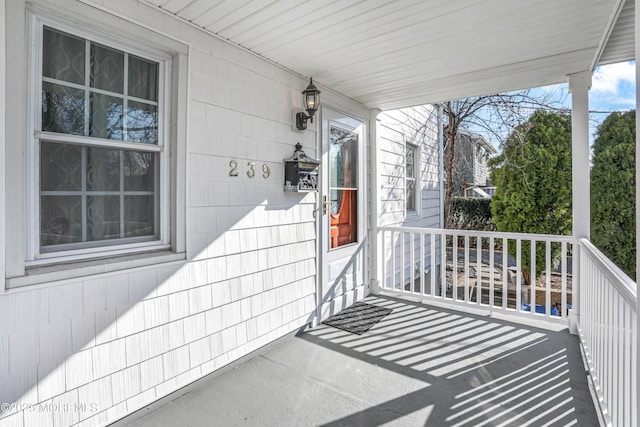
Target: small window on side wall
(410, 181)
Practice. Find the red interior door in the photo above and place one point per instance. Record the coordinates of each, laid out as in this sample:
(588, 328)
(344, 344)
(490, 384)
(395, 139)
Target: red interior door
(344, 225)
(343, 185)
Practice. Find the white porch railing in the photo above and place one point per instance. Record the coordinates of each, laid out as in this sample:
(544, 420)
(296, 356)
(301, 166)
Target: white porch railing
(608, 333)
(473, 268)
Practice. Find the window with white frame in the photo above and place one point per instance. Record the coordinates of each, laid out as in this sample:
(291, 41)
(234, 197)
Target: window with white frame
(99, 157)
(410, 163)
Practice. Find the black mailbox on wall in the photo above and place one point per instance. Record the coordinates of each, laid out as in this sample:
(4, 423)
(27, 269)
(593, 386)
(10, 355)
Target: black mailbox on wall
(301, 172)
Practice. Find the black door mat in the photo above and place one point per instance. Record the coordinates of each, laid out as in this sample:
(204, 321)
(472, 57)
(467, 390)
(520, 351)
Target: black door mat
(358, 318)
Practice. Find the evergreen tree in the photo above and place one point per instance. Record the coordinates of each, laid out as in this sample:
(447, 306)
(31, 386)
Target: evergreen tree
(532, 176)
(613, 190)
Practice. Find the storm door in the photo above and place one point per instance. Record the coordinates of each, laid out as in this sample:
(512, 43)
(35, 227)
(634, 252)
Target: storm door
(342, 196)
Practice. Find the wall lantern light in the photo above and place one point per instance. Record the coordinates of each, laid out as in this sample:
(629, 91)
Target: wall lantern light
(311, 102)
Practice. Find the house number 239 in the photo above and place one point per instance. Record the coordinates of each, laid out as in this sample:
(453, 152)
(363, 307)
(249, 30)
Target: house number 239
(251, 172)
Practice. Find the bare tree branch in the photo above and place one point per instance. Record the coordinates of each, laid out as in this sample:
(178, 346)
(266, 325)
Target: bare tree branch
(496, 115)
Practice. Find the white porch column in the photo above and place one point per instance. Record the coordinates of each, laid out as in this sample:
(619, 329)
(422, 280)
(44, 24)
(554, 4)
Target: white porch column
(579, 85)
(374, 244)
(441, 182)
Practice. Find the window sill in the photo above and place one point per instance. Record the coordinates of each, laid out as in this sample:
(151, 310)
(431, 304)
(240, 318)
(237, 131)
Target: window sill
(412, 216)
(45, 275)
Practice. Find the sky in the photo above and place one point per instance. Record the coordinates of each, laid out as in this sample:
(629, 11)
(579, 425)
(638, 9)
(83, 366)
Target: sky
(613, 88)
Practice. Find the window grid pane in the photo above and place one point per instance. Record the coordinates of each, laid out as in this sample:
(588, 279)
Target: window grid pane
(86, 90)
(115, 198)
(60, 220)
(142, 122)
(106, 68)
(142, 78)
(63, 57)
(410, 195)
(106, 118)
(63, 109)
(410, 168)
(410, 177)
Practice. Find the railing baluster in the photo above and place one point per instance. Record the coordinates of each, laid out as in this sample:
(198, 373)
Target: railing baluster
(443, 266)
(634, 368)
(608, 345)
(422, 255)
(466, 268)
(413, 264)
(518, 275)
(596, 343)
(532, 277)
(505, 273)
(454, 281)
(602, 341)
(618, 350)
(626, 366)
(402, 261)
(384, 261)
(547, 295)
(563, 294)
(393, 260)
(432, 268)
(491, 273)
(478, 270)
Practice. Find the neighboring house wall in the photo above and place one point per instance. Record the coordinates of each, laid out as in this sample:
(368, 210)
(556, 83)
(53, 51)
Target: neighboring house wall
(470, 162)
(481, 168)
(242, 268)
(463, 163)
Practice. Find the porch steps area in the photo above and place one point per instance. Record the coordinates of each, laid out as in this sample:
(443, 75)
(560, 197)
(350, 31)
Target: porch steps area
(419, 366)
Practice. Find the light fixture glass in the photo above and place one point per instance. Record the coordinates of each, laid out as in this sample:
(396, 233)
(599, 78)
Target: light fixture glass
(311, 102)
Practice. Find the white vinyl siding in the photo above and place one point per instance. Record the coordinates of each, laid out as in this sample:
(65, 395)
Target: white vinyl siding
(398, 130)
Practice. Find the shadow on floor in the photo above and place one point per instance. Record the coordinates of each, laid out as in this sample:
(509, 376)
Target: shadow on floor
(420, 365)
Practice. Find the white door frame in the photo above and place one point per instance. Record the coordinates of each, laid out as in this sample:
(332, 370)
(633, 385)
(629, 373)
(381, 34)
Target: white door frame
(327, 307)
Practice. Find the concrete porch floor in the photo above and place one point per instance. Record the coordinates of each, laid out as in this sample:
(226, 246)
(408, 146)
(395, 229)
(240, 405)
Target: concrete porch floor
(419, 366)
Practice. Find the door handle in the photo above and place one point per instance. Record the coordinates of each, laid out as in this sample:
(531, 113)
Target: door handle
(325, 205)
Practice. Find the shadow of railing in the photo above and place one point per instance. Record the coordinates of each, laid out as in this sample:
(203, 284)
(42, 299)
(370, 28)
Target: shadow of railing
(469, 369)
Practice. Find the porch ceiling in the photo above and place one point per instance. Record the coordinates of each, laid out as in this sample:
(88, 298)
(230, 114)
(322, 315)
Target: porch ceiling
(389, 54)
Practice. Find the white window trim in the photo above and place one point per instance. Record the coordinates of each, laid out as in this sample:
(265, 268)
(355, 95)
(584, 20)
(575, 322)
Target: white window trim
(417, 212)
(3, 79)
(34, 257)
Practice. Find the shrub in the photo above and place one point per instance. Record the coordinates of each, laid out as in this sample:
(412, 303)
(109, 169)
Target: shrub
(613, 214)
(532, 176)
(472, 214)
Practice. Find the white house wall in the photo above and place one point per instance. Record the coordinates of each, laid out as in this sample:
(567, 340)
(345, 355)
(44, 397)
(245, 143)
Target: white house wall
(417, 126)
(396, 128)
(111, 343)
